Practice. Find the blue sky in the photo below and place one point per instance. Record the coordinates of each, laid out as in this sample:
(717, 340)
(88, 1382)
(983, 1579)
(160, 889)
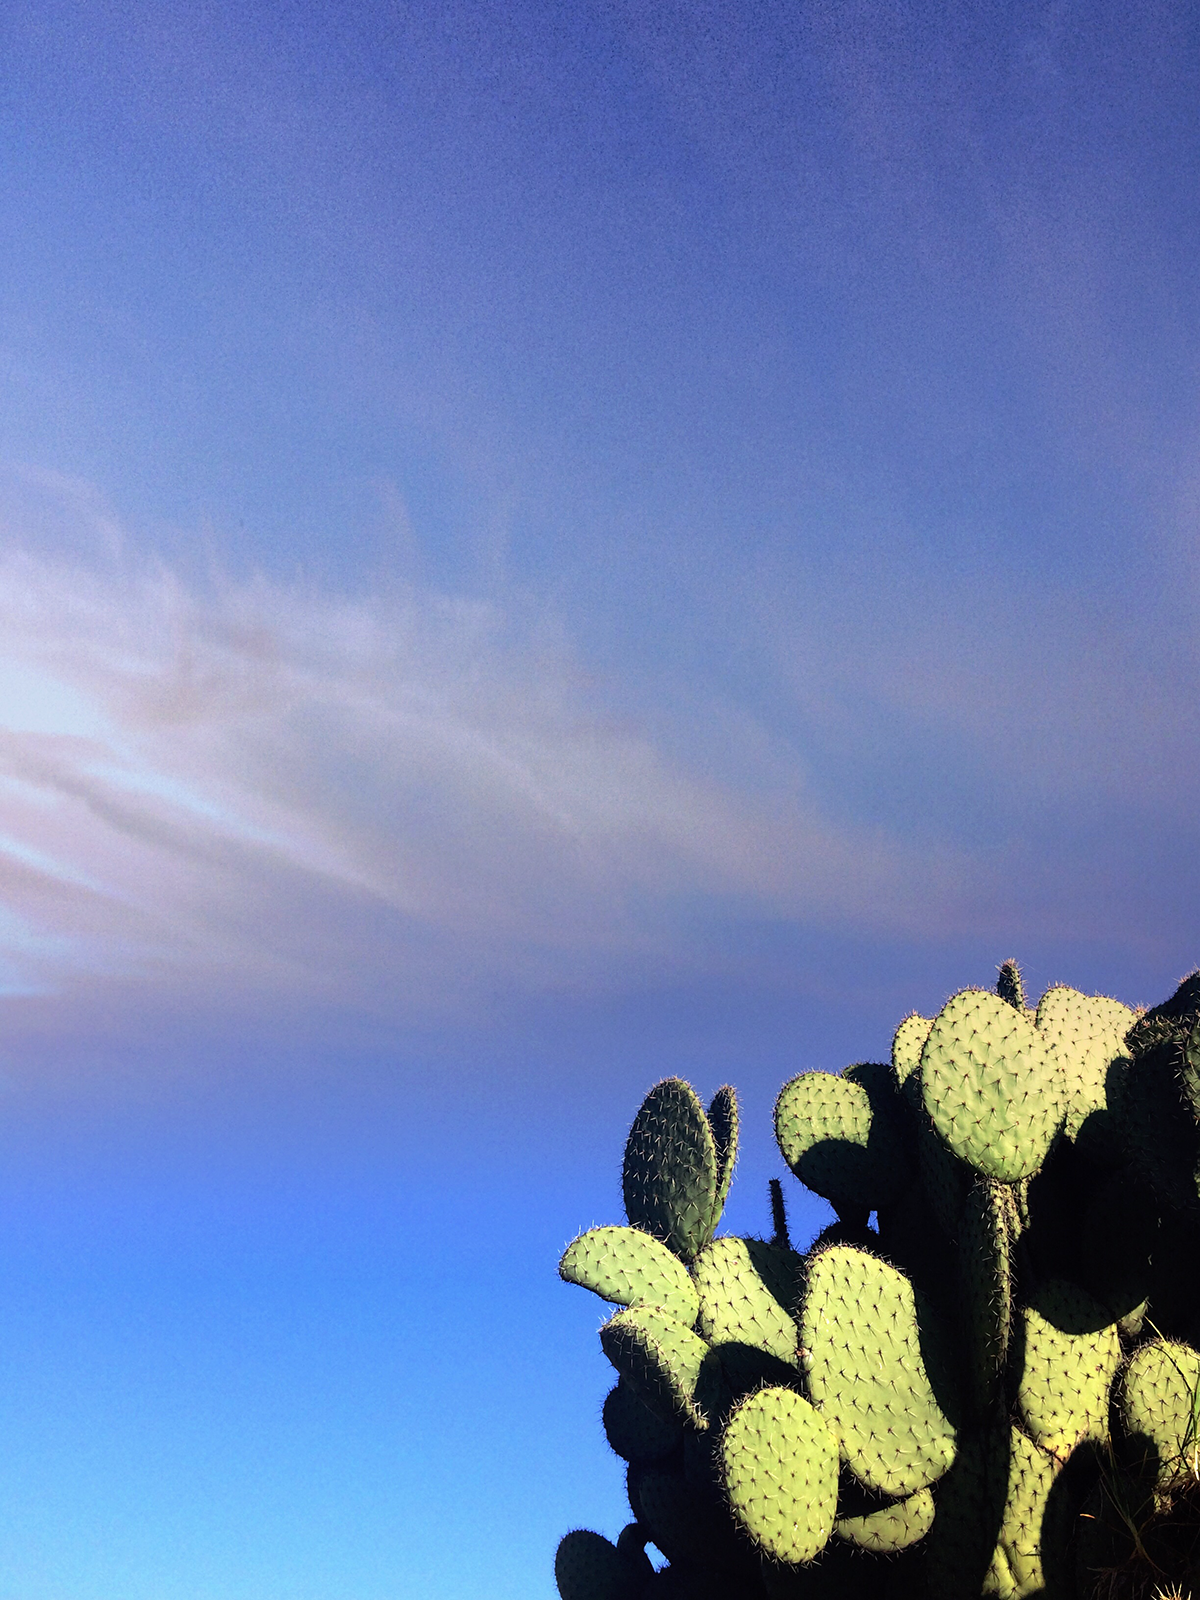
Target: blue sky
(540, 547)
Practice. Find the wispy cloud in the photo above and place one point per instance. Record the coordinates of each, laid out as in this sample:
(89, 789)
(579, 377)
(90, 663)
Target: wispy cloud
(400, 797)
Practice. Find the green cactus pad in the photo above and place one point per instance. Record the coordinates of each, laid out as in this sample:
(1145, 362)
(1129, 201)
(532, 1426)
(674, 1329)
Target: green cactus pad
(723, 1120)
(780, 1466)
(634, 1431)
(892, 1527)
(986, 1279)
(1085, 1035)
(662, 1360)
(1017, 1568)
(588, 1567)
(745, 1289)
(670, 1176)
(990, 1086)
(837, 1143)
(1071, 1352)
(908, 1045)
(627, 1266)
(877, 1370)
(1160, 1406)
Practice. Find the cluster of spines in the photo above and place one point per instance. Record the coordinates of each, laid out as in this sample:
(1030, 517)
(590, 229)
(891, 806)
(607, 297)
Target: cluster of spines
(951, 1402)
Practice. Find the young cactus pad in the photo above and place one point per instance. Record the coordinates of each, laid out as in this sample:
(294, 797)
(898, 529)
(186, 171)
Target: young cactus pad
(672, 1179)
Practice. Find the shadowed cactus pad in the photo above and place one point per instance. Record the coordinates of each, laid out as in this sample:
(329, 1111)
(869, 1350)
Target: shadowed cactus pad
(671, 1179)
(662, 1360)
(780, 1466)
(990, 1086)
(630, 1268)
(1160, 1406)
(634, 1431)
(841, 1141)
(867, 1337)
(589, 1567)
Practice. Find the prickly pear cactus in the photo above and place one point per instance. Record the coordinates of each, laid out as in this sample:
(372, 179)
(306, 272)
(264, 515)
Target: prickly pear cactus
(984, 1380)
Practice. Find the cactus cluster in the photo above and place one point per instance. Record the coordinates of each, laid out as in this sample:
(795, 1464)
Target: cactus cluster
(982, 1380)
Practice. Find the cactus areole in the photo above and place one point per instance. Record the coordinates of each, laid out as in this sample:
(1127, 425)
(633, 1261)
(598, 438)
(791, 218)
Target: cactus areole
(983, 1380)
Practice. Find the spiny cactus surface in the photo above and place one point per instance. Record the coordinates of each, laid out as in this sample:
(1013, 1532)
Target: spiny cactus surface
(984, 1380)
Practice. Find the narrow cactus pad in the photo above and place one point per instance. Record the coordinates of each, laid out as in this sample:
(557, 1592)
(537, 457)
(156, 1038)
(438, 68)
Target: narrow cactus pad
(588, 1566)
(663, 1361)
(670, 1177)
(740, 1283)
(780, 1465)
(1085, 1034)
(1160, 1406)
(1017, 1567)
(908, 1045)
(723, 1120)
(629, 1267)
(1009, 986)
(892, 1527)
(986, 1279)
(1071, 1355)
(837, 1144)
(867, 1337)
(990, 1086)
(634, 1431)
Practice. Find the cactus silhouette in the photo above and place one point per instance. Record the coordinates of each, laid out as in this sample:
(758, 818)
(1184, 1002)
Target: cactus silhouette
(983, 1380)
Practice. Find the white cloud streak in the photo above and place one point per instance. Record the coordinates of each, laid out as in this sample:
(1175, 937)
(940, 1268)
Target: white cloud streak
(250, 785)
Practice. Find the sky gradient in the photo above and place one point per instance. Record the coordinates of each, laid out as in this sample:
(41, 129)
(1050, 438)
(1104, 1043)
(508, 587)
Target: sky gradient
(540, 547)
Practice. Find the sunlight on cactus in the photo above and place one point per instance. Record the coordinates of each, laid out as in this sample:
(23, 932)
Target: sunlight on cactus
(982, 1380)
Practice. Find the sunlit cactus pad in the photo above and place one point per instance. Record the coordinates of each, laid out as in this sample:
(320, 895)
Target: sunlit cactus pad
(661, 1359)
(629, 1267)
(746, 1291)
(891, 1528)
(1070, 1357)
(1085, 1035)
(780, 1464)
(990, 1085)
(1160, 1406)
(867, 1337)
(907, 1045)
